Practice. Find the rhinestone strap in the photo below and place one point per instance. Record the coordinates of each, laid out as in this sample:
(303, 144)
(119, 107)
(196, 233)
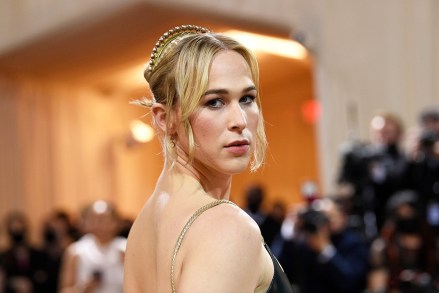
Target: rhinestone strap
(186, 227)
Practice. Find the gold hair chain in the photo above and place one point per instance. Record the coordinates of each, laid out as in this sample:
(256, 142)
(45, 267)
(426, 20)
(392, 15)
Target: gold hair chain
(170, 36)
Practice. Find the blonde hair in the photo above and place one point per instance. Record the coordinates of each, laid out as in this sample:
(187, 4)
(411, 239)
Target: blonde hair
(180, 78)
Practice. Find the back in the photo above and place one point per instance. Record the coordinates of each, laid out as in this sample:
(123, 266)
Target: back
(148, 253)
(155, 232)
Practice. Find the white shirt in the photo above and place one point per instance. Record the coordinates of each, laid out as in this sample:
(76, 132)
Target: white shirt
(105, 259)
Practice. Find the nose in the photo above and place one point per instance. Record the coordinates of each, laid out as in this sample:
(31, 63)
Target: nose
(237, 117)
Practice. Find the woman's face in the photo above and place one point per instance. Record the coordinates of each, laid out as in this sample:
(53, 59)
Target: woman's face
(103, 225)
(224, 125)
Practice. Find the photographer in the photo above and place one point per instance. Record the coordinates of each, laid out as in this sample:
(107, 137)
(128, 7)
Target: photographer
(403, 257)
(324, 255)
(371, 171)
(423, 171)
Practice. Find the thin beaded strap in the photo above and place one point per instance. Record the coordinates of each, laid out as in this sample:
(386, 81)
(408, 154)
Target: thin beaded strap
(186, 227)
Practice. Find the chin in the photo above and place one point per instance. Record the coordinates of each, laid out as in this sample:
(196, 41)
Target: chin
(236, 171)
(229, 166)
(236, 168)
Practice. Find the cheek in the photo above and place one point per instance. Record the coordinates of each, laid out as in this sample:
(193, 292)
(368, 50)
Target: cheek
(253, 119)
(204, 128)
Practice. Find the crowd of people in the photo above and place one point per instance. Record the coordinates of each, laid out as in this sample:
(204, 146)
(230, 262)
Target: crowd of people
(379, 231)
(75, 256)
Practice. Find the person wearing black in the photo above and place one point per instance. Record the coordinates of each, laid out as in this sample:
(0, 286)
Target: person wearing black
(58, 234)
(423, 171)
(403, 257)
(271, 227)
(325, 256)
(22, 265)
(373, 171)
(255, 196)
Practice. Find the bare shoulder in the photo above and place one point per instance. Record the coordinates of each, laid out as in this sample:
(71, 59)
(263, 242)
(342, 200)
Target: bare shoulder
(226, 223)
(224, 248)
(229, 220)
(72, 250)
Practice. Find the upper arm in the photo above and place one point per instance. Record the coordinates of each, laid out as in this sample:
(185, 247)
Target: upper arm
(68, 269)
(224, 253)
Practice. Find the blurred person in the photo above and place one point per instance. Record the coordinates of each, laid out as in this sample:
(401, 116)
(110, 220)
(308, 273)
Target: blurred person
(125, 227)
(189, 237)
(423, 176)
(255, 197)
(418, 136)
(310, 194)
(21, 264)
(58, 234)
(2, 279)
(288, 228)
(94, 263)
(323, 254)
(272, 224)
(423, 171)
(372, 171)
(429, 118)
(403, 257)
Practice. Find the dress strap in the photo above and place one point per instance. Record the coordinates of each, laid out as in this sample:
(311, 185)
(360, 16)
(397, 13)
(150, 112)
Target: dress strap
(186, 227)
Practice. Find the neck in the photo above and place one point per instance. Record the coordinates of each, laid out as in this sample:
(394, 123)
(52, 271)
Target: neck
(216, 185)
(103, 240)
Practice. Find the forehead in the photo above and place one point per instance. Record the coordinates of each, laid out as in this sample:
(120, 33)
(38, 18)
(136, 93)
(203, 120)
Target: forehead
(229, 66)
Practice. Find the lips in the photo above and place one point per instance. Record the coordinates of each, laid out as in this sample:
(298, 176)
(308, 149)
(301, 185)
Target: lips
(238, 143)
(238, 147)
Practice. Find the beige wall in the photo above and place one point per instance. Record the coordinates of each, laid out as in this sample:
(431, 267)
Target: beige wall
(370, 56)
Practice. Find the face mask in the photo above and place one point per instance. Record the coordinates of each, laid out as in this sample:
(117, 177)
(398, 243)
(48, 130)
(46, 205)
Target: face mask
(408, 226)
(17, 236)
(49, 236)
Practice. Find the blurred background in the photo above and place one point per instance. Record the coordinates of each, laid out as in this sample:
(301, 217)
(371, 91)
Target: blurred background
(68, 70)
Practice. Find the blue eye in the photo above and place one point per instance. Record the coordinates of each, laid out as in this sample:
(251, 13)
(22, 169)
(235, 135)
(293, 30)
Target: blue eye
(247, 99)
(215, 103)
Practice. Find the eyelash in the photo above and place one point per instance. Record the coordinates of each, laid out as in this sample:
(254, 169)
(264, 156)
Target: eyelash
(249, 99)
(211, 103)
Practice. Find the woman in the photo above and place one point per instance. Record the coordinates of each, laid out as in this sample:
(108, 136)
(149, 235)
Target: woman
(94, 263)
(188, 236)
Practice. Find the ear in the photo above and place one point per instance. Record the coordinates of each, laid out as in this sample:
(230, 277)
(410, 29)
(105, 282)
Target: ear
(160, 118)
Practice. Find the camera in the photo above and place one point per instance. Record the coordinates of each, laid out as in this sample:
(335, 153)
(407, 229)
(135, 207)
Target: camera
(428, 139)
(97, 275)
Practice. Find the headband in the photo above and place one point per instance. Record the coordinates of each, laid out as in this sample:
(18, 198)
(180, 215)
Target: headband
(168, 37)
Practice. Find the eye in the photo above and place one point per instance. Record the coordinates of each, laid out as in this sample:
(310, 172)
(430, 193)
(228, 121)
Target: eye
(214, 103)
(248, 99)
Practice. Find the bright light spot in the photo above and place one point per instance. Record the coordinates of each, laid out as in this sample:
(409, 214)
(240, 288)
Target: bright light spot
(311, 111)
(377, 122)
(272, 45)
(141, 132)
(100, 207)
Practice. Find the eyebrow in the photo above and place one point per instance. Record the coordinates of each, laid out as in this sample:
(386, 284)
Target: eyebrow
(224, 91)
